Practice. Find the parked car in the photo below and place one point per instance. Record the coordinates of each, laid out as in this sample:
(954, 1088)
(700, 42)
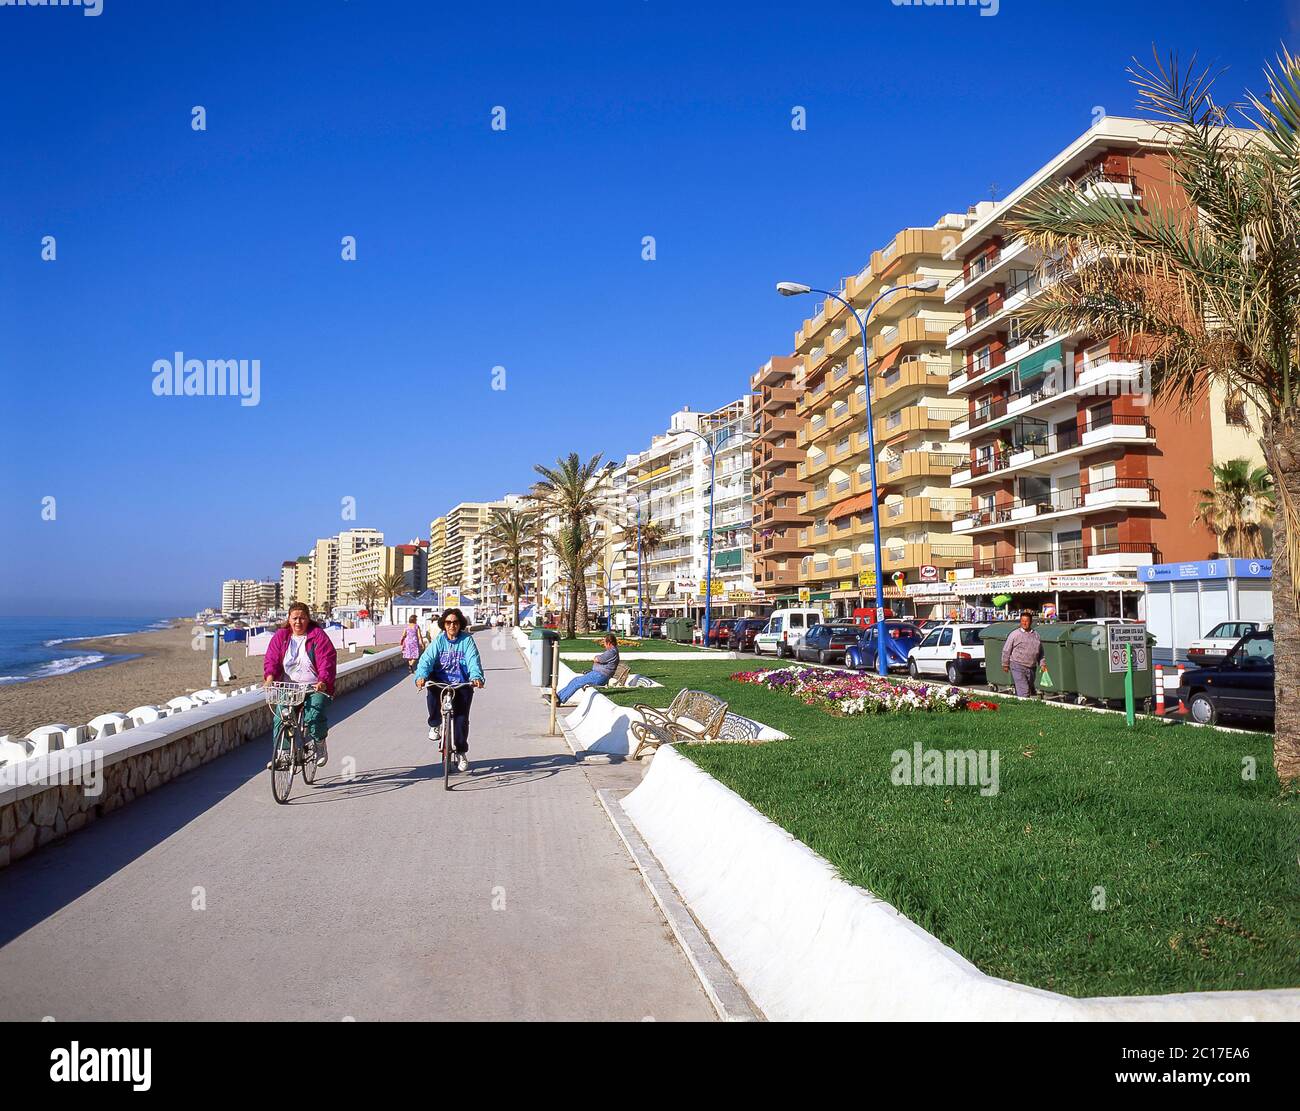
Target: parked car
(827, 643)
(1218, 642)
(743, 633)
(654, 626)
(720, 632)
(1240, 685)
(954, 650)
(785, 629)
(900, 638)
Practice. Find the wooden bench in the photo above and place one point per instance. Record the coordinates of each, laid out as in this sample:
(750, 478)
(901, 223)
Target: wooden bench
(693, 716)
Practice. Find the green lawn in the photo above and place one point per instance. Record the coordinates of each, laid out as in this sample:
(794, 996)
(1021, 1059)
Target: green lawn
(1198, 864)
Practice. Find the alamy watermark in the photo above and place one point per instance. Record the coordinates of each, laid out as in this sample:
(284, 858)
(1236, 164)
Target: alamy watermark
(182, 377)
(986, 7)
(88, 7)
(953, 767)
(57, 770)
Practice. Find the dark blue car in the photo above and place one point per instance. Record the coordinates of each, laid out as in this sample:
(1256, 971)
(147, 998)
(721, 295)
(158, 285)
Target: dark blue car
(900, 638)
(1240, 686)
(826, 643)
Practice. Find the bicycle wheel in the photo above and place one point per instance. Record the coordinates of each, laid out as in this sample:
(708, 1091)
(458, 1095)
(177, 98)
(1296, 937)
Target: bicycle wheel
(284, 751)
(448, 749)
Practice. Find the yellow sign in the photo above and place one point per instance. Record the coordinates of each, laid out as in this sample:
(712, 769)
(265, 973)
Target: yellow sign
(867, 578)
(805, 595)
(846, 584)
(719, 587)
(950, 576)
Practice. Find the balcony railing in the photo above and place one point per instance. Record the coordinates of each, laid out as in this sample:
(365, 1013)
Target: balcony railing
(1064, 499)
(1070, 557)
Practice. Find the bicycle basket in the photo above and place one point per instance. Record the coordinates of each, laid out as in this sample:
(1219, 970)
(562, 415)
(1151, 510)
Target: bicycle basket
(286, 694)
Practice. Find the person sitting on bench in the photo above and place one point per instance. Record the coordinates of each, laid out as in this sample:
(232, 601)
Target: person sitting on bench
(604, 664)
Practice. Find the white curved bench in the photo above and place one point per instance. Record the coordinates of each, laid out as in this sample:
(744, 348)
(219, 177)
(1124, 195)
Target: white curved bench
(180, 704)
(14, 751)
(52, 738)
(143, 715)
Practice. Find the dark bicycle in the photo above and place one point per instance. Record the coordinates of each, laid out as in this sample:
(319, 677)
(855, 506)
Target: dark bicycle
(446, 699)
(291, 746)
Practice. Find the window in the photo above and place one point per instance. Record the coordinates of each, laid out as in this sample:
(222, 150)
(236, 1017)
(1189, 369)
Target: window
(970, 637)
(931, 641)
(1105, 537)
(1100, 415)
(945, 636)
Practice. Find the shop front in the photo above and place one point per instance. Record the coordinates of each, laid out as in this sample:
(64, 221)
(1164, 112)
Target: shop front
(1065, 597)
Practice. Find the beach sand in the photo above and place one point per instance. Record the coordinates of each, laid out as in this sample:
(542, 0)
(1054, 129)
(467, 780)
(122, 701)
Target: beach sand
(168, 665)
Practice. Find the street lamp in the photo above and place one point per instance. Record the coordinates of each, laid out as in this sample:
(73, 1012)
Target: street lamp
(926, 285)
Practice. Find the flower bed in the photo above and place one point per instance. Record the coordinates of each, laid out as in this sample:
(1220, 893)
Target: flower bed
(853, 692)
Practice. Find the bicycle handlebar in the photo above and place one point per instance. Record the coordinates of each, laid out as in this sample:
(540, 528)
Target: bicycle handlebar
(446, 686)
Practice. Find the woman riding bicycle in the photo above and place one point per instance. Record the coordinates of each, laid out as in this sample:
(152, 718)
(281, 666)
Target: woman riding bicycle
(452, 657)
(301, 652)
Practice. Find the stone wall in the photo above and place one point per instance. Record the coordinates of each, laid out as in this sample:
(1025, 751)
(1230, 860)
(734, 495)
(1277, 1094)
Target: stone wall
(42, 800)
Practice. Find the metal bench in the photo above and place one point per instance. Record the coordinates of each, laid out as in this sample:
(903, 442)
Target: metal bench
(693, 716)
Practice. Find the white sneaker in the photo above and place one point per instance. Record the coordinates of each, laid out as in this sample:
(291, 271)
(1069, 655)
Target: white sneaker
(435, 734)
(462, 763)
(322, 755)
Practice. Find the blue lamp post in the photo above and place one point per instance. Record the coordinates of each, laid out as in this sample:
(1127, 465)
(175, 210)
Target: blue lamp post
(794, 289)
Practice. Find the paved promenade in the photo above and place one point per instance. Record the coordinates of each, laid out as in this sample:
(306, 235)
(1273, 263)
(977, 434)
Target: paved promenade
(376, 897)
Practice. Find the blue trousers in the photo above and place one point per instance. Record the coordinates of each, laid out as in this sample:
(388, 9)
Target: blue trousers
(591, 679)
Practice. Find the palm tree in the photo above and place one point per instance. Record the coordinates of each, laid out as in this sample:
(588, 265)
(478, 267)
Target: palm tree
(1209, 288)
(570, 491)
(366, 593)
(390, 586)
(1238, 507)
(513, 535)
(574, 563)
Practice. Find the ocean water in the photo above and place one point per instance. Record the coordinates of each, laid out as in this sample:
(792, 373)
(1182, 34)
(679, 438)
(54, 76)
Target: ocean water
(37, 647)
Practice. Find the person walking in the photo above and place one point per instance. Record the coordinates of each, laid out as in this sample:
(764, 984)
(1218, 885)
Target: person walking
(412, 643)
(604, 664)
(1022, 654)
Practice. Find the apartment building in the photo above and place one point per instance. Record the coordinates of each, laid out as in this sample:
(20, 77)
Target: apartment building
(912, 412)
(777, 487)
(1077, 480)
(435, 579)
(465, 521)
(289, 581)
(668, 485)
(354, 563)
(249, 596)
(381, 560)
(325, 575)
(304, 581)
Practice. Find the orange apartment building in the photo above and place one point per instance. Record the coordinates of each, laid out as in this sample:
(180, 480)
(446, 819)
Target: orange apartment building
(777, 487)
(915, 457)
(1076, 479)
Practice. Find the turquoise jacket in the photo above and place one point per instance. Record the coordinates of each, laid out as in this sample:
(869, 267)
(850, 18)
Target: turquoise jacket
(451, 661)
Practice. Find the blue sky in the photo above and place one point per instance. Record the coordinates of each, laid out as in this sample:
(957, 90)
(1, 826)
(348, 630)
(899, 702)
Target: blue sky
(476, 248)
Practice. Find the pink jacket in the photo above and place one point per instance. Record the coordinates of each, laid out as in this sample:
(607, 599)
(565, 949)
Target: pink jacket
(319, 650)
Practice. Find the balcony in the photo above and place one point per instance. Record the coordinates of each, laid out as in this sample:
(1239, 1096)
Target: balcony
(1111, 185)
(986, 412)
(776, 428)
(914, 419)
(1073, 500)
(920, 510)
(917, 374)
(781, 483)
(985, 270)
(780, 545)
(1036, 454)
(1118, 555)
(777, 457)
(913, 329)
(913, 464)
(900, 557)
(778, 398)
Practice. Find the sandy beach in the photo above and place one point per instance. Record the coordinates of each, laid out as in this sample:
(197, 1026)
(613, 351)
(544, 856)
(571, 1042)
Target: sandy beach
(168, 664)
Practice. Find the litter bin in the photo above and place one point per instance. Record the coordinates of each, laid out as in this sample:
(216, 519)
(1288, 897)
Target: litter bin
(678, 629)
(995, 637)
(1059, 680)
(1090, 646)
(541, 647)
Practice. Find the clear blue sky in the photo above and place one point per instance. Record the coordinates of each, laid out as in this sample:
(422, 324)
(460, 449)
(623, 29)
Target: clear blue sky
(476, 248)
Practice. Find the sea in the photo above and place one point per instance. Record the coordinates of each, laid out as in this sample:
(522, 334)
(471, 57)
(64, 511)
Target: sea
(38, 647)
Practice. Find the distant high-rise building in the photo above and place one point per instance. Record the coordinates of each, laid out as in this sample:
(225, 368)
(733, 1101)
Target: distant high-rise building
(435, 579)
(325, 575)
(354, 566)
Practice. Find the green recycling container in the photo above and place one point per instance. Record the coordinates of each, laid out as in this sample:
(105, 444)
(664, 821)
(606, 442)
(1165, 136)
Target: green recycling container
(678, 629)
(1090, 646)
(1059, 680)
(995, 637)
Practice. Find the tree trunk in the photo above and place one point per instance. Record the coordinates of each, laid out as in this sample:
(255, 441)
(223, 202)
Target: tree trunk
(1281, 446)
(518, 585)
(580, 600)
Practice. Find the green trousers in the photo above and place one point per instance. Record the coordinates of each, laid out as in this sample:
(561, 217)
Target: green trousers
(313, 715)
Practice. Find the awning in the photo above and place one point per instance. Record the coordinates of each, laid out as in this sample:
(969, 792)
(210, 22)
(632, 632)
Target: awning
(855, 504)
(1034, 365)
(661, 590)
(728, 559)
(887, 363)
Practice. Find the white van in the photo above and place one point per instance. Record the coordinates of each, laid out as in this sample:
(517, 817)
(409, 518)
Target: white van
(785, 630)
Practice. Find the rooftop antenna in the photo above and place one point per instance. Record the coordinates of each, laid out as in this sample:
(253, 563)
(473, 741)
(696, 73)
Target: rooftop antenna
(993, 190)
